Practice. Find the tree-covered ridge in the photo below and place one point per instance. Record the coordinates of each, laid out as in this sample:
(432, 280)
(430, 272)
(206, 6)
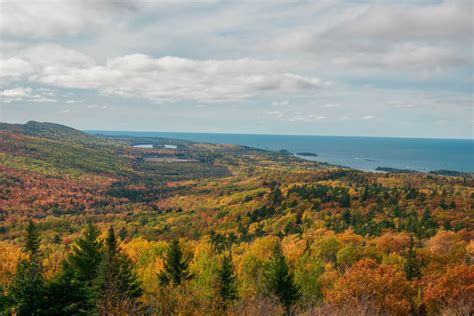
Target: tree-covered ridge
(223, 229)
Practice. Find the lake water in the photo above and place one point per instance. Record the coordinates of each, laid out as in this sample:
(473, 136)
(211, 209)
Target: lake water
(143, 146)
(365, 153)
(151, 146)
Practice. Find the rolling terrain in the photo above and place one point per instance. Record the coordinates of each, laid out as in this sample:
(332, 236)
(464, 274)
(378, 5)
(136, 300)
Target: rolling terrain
(374, 243)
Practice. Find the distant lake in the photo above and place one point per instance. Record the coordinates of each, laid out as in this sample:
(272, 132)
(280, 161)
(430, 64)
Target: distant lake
(365, 153)
(143, 146)
(151, 146)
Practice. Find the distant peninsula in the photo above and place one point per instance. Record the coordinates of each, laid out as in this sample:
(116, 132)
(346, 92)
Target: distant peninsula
(443, 172)
(395, 170)
(307, 154)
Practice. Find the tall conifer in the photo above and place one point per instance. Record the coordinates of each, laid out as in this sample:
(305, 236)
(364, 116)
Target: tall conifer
(278, 279)
(117, 282)
(86, 255)
(176, 266)
(27, 288)
(412, 268)
(227, 281)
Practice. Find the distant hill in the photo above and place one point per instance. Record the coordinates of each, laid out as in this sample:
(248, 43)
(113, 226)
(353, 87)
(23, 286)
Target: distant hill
(48, 130)
(57, 150)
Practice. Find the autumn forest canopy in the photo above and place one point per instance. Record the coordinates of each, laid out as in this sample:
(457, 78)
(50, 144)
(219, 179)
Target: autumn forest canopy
(92, 225)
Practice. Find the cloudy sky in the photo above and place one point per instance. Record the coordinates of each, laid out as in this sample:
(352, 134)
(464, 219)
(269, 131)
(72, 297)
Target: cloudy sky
(384, 68)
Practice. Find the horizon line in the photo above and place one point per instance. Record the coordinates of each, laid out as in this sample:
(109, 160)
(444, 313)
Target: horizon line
(278, 134)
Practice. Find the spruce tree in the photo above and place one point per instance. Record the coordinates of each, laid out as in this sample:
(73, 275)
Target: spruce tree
(117, 282)
(72, 291)
(278, 279)
(412, 268)
(27, 289)
(5, 302)
(33, 240)
(86, 255)
(68, 296)
(227, 281)
(176, 266)
(365, 193)
(276, 197)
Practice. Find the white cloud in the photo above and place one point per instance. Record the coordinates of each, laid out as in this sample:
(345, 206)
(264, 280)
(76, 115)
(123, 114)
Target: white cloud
(281, 103)
(406, 56)
(331, 105)
(19, 92)
(395, 38)
(307, 118)
(415, 55)
(448, 20)
(276, 114)
(52, 18)
(55, 56)
(163, 79)
(368, 117)
(13, 69)
(26, 94)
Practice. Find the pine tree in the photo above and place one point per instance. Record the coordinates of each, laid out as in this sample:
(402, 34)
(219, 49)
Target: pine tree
(33, 240)
(68, 296)
(345, 199)
(412, 268)
(27, 289)
(5, 302)
(176, 266)
(365, 193)
(56, 239)
(86, 255)
(117, 282)
(427, 224)
(227, 281)
(76, 279)
(278, 279)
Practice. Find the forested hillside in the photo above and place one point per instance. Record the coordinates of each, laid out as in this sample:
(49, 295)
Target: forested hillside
(94, 225)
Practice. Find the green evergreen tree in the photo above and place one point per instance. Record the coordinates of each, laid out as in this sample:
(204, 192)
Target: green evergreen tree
(365, 194)
(57, 239)
(67, 296)
(86, 256)
(79, 271)
(117, 282)
(27, 289)
(176, 266)
(227, 281)
(412, 268)
(33, 240)
(428, 225)
(5, 302)
(346, 217)
(345, 199)
(278, 279)
(276, 197)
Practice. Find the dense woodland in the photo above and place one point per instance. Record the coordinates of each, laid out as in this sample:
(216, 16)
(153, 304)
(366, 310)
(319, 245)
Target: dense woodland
(92, 226)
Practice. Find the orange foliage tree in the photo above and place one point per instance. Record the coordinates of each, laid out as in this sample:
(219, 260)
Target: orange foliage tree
(452, 292)
(371, 289)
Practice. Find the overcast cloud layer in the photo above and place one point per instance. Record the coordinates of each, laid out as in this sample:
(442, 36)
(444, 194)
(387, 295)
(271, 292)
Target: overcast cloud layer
(386, 68)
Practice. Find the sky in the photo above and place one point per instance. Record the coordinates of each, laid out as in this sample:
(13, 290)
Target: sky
(378, 68)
